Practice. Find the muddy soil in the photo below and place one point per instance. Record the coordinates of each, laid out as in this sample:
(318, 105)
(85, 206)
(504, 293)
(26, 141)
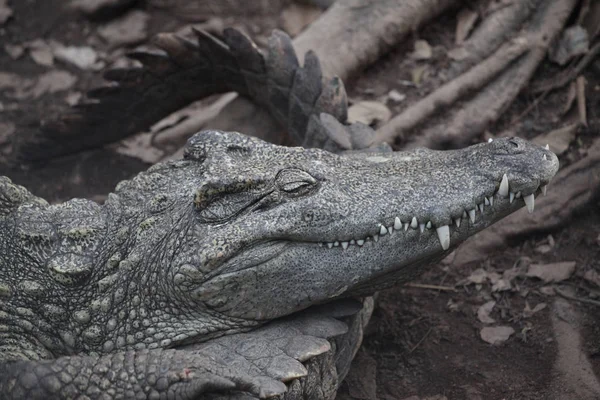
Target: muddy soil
(424, 340)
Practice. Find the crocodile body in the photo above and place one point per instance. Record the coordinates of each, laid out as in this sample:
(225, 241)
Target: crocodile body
(231, 273)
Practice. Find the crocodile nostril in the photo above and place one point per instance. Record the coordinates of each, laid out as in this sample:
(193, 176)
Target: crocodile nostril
(514, 142)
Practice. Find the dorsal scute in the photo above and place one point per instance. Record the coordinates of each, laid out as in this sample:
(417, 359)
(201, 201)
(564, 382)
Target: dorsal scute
(12, 196)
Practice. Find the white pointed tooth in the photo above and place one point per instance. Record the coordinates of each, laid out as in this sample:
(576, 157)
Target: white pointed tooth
(444, 236)
(382, 230)
(336, 244)
(512, 197)
(491, 199)
(544, 157)
(529, 202)
(518, 195)
(360, 242)
(376, 238)
(422, 227)
(490, 140)
(486, 201)
(406, 226)
(457, 222)
(544, 189)
(472, 215)
(414, 223)
(464, 214)
(397, 224)
(428, 226)
(390, 229)
(503, 190)
(329, 244)
(547, 146)
(320, 244)
(481, 207)
(344, 245)
(353, 241)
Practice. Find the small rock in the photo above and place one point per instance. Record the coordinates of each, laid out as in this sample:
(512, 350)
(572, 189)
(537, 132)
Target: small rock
(483, 312)
(396, 96)
(422, 51)
(555, 272)
(369, 113)
(127, 30)
(14, 51)
(496, 335)
(5, 11)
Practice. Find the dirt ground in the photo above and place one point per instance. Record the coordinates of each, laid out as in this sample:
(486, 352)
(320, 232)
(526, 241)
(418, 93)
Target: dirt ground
(424, 340)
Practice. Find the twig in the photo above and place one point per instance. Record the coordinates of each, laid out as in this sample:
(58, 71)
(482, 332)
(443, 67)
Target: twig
(421, 341)
(575, 298)
(432, 287)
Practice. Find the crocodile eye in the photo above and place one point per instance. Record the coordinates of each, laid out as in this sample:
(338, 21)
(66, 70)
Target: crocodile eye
(216, 204)
(295, 182)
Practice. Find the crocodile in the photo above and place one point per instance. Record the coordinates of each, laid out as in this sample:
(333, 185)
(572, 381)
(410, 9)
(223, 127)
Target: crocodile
(233, 272)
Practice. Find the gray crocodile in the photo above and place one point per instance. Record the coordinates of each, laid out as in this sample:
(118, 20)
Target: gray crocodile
(243, 270)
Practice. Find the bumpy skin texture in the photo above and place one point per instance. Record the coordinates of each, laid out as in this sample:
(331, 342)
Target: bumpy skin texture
(150, 294)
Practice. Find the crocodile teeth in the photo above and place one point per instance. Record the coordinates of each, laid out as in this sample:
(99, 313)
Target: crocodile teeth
(329, 244)
(547, 146)
(390, 229)
(376, 238)
(360, 242)
(464, 214)
(382, 230)
(472, 215)
(512, 197)
(397, 224)
(457, 222)
(414, 223)
(544, 157)
(518, 195)
(481, 208)
(491, 200)
(444, 236)
(503, 191)
(529, 202)
(486, 201)
(406, 226)
(544, 189)
(353, 241)
(490, 140)
(336, 244)
(428, 226)
(344, 245)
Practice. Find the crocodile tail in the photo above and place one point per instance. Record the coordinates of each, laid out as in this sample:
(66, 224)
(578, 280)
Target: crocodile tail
(311, 108)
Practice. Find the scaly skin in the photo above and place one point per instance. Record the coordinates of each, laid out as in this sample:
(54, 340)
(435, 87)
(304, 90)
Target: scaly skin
(174, 288)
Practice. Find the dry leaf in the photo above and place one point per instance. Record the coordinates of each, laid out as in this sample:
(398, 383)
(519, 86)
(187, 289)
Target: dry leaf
(555, 272)
(466, 19)
(528, 312)
(422, 51)
(126, 30)
(483, 312)
(496, 335)
(478, 276)
(558, 139)
(369, 113)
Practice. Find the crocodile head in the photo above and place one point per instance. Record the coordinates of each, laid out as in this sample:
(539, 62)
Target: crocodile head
(267, 230)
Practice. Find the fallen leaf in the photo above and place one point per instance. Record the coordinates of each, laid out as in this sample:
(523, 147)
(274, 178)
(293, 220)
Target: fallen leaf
(483, 312)
(83, 57)
(466, 19)
(528, 311)
(496, 335)
(558, 139)
(14, 51)
(592, 276)
(52, 82)
(369, 113)
(5, 11)
(126, 30)
(396, 96)
(41, 52)
(296, 17)
(422, 51)
(573, 42)
(555, 272)
(478, 276)
(501, 285)
(547, 290)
